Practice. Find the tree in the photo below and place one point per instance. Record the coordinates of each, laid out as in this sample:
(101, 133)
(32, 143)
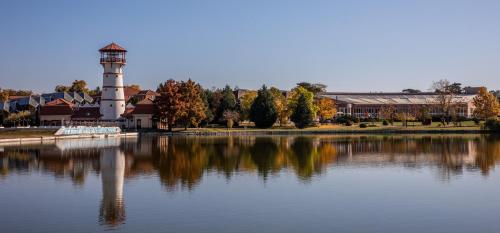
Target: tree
(61, 88)
(411, 91)
(296, 93)
(194, 107)
(230, 117)
(13, 92)
(135, 86)
(444, 98)
(387, 112)
(302, 114)
(315, 88)
(227, 102)
(281, 104)
(486, 104)
(326, 108)
(170, 102)
(424, 115)
(213, 98)
(246, 102)
(79, 86)
(455, 88)
(95, 92)
(4, 95)
(263, 111)
(20, 118)
(207, 97)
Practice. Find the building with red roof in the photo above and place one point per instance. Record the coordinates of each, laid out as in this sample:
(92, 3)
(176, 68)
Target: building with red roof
(141, 116)
(56, 112)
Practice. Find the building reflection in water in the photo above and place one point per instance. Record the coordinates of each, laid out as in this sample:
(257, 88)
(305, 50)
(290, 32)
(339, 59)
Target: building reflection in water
(112, 164)
(181, 162)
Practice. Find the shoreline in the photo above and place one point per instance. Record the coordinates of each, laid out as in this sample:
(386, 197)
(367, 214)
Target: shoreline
(319, 132)
(21, 140)
(250, 132)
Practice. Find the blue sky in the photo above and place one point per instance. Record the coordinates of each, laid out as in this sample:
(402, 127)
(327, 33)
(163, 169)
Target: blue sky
(347, 45)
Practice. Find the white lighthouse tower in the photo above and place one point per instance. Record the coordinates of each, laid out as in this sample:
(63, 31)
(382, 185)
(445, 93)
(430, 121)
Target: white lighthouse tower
(112, 97)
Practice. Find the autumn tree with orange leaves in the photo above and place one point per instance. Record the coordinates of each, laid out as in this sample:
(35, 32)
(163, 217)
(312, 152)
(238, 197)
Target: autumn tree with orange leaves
(170, 102)
(326, 108)
(486, 104)
(194, 106)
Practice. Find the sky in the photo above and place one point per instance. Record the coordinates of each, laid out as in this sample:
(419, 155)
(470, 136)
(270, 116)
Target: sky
(347, 45)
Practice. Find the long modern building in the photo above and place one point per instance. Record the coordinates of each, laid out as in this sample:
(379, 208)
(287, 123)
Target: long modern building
(369, 104)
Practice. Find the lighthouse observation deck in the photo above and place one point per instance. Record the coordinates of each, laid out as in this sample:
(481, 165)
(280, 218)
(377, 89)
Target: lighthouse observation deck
(113, 60)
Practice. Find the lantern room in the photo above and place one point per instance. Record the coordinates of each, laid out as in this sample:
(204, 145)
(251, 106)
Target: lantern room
(113, 53)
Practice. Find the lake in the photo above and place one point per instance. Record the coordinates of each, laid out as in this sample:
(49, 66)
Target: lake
(359, 183)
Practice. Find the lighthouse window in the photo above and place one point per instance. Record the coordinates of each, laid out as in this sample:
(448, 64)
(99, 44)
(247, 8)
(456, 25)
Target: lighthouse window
(123, 105)
(116, 89)
(111, 105)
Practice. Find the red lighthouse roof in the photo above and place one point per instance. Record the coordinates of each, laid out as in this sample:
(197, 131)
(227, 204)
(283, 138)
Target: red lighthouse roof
(112, 47)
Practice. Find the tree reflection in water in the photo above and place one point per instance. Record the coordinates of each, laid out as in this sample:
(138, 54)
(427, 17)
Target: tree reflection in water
(181, 162)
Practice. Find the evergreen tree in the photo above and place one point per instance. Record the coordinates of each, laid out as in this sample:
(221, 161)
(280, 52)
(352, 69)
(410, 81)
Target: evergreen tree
(227, 102)
(206, 96)
(263, 111)
(302, 113)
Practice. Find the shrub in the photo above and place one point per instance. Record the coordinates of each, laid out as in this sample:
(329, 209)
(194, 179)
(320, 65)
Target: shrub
(362, 125)
(343, 119)
(427, 121)
(348, 123)
(492, 124)
(476, 121)
(385, 122)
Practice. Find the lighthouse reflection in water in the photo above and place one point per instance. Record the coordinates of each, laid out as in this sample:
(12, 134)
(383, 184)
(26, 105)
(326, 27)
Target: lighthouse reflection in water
(112, 162)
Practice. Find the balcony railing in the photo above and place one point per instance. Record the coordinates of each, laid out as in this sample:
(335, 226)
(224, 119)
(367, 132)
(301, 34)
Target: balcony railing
(113, 59)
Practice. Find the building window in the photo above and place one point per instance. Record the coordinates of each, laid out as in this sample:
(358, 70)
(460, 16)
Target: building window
(116, 89)
(111, 105)
(123, 105)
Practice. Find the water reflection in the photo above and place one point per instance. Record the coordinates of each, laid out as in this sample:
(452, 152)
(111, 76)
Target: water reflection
(182, 162)
(112, 163)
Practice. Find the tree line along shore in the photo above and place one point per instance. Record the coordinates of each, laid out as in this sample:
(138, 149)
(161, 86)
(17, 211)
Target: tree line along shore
(183, 105)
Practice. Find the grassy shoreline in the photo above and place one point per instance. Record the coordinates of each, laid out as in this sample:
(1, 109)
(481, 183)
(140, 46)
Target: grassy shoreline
(465, 128)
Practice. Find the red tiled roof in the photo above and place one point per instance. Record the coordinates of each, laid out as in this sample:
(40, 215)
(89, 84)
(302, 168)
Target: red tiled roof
(112, 47)
(88, 113)
(59, 102)
(129, 92)
(146, 92)
(128, 112)
(145, 106)
(57, 107)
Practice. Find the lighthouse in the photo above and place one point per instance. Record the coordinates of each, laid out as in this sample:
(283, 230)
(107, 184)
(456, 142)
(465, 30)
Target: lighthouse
(112, 97)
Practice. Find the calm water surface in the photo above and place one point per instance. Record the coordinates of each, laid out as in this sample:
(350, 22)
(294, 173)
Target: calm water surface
(253, 184)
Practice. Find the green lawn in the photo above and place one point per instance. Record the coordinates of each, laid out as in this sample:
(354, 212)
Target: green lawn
(398, 126)
(25, 133)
